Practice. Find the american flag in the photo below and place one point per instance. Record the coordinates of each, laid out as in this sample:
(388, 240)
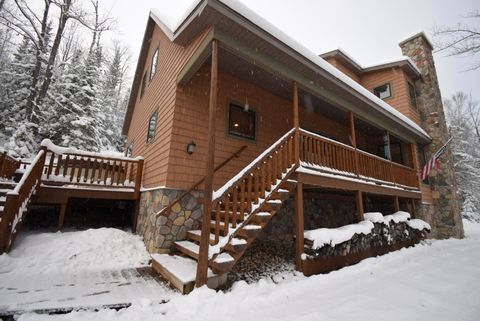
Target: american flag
(433, 162)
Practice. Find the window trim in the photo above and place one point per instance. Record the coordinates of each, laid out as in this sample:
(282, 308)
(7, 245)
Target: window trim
(154, 62)
(143, 85)
(239, 135)
(149, 129)
(415, 106)
(389, 86)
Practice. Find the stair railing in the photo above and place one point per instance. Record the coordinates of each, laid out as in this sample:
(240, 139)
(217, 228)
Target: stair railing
(254, 184)
(18, 199)
(8, 165)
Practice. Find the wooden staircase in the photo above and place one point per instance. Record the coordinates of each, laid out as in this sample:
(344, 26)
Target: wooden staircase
(241, 209)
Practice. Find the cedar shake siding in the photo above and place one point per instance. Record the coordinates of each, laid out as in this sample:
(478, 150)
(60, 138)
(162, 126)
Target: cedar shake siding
(159, 96)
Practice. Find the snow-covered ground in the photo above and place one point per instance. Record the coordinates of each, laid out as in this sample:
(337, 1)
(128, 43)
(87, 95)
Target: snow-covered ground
(437, 280)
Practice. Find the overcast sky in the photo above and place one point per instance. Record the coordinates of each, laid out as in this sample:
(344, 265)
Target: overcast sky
(369, 30)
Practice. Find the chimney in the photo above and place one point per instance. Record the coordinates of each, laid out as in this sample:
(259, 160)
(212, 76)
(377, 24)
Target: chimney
(444, 214)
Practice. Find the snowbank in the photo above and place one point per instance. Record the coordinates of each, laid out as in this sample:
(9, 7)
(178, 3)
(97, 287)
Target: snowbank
(377, 217)
(334, 236)
(419, 224)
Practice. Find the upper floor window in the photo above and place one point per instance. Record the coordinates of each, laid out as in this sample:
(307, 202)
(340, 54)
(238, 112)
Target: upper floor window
(152, 124)
(153, 65)
(383, 91)
(144, 84)
(413, 94)
(241, 121)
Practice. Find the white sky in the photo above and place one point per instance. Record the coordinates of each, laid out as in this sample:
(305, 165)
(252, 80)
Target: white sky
(369, 30)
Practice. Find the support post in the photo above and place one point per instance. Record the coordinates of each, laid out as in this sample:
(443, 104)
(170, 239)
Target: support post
(138, 179)
(61, 216)
(299, 226)
(413, 153)
(351, 119)
(359, 199)
(397, 203)
(414, 209)
(296, 124)
(202, 266)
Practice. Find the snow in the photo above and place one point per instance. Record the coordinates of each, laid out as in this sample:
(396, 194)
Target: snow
(182, 268)
(259, 21)
(224, 258)
(71, 269)
(397, 217)
(374, 217)
(333, 236)
(418, 224)
(435, 280)
(72, 150)
(16, 191)
(415, 34)
(393, 61)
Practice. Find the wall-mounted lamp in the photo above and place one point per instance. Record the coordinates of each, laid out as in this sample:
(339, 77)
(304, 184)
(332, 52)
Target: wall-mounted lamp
(191, 147)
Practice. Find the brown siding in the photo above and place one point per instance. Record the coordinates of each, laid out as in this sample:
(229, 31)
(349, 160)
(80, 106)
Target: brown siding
(400, 98)
(159, 96)
(347, 71)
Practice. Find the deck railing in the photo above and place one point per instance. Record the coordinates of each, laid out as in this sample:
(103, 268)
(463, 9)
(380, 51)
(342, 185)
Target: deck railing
(329, 155)
(8, 165)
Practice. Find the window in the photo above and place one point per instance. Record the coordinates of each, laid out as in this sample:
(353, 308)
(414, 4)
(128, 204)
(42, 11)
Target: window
(383, 91)
(144, 84)
(241, 121)
(153, 66)
(413, 94)
(152, 123)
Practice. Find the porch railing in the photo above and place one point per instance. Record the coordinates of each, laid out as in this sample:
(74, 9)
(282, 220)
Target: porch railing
(335, 157)
(8, 165)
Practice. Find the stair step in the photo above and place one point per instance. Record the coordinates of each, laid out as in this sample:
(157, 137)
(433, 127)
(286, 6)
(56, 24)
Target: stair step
(236, 245)
(222, 263)
(1, 208)
(181, 272)
(250, 231)
(221, 225)
(262, 217)
(188, 248)
(195, 235)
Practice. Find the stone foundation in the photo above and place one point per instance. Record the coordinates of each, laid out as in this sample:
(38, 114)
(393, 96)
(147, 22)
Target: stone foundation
(160, 233)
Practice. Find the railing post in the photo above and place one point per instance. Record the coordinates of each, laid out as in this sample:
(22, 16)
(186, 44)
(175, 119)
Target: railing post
(354, 140)
(138, 178)
(296, 124)
(2, 162)
(202, 266)
(415, 164)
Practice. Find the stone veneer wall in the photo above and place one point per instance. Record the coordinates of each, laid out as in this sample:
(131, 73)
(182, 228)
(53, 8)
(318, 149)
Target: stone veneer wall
(172, 226)
(444, 217)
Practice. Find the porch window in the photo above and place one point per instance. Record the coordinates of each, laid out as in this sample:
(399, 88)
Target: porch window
(383, 91)
(413, 94)
(152, 124)
(153, 66)
(241, 121)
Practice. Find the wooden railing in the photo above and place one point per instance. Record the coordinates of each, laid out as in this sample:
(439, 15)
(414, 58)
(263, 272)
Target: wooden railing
(197, 184)
(8, 165)
(91, 169)
(333, 156)
(18, 199)
(256, 181)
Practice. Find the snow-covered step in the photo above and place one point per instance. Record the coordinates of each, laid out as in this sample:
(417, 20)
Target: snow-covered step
(1, 208)
(195, 235)
(262, 217)
(223, 263)
(3, 199)
(250, 231)
(189, 248)
(236, 245)
(181, 272)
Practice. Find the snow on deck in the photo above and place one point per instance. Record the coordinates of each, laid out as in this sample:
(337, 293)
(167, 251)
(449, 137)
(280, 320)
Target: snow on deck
(88, 268)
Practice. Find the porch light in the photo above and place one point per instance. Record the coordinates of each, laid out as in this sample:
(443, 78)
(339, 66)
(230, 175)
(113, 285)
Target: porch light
(191, 147)
(235, 125)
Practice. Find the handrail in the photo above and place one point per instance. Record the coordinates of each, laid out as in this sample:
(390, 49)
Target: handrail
(179, 198)
(8, 165)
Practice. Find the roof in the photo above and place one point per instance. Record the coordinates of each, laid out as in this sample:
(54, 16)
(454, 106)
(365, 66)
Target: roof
(182, 32)
(401, 62)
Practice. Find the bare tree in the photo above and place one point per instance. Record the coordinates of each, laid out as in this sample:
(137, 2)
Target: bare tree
(460, 40)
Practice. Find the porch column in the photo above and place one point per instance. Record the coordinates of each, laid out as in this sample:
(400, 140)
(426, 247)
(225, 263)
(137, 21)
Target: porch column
(351, 119)
(414, 209)
(389, 156)
(299, 226)
(413, 153)
(296, 123)
(396, 203)
(202, 266)
(359, 199)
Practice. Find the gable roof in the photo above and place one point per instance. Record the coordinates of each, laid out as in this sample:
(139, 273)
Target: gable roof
(203, 13)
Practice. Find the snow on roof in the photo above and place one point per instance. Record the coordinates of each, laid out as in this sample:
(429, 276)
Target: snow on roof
(344, 53)
(394, 61)
(269, 28)
(418, 33)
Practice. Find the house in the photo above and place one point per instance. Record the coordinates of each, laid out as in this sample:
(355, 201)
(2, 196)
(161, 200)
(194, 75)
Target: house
(232, 123)
(231, 113)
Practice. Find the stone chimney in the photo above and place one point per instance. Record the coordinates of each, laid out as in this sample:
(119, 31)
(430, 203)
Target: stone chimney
(444, 215)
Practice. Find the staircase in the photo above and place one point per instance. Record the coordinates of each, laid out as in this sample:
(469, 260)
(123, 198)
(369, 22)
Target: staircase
(15, 197)
(241, 209)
